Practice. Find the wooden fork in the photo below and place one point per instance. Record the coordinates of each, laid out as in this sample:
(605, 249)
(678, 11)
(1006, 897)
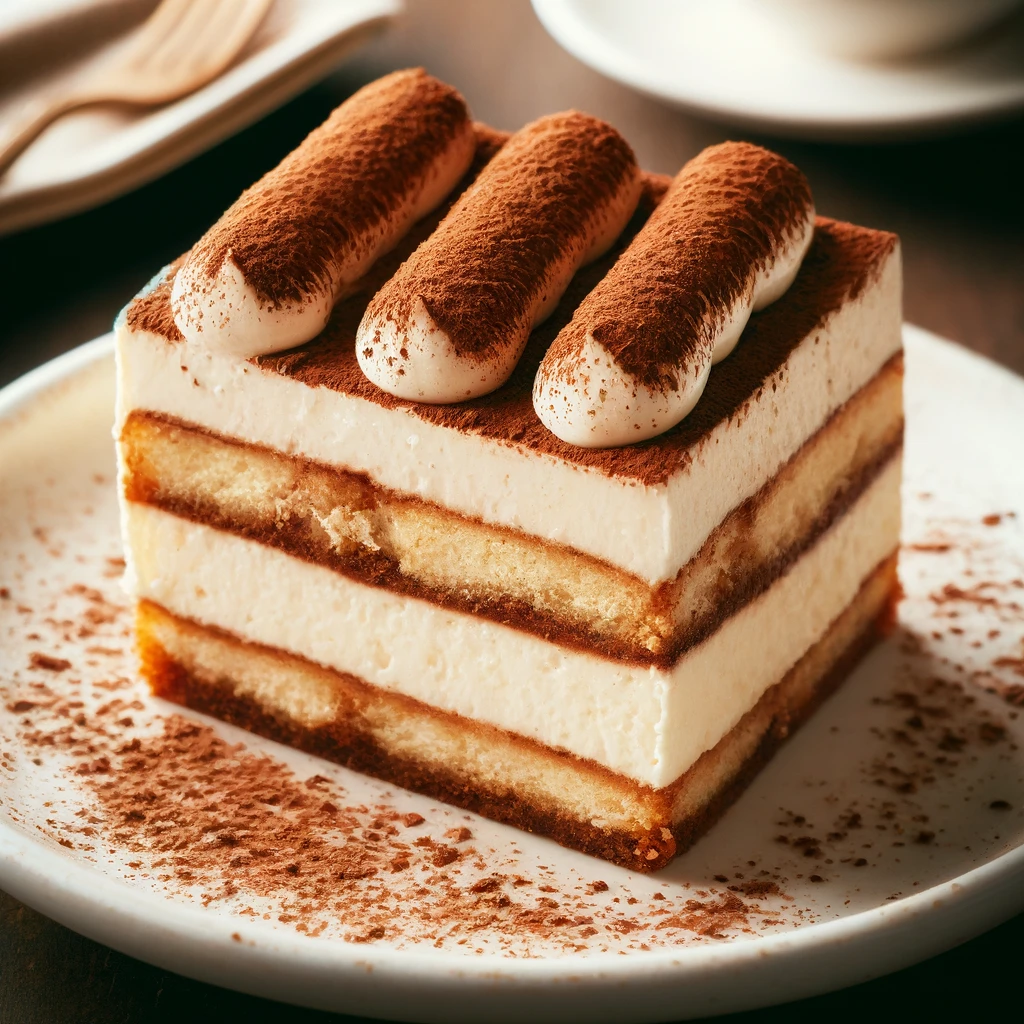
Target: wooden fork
(181, 46)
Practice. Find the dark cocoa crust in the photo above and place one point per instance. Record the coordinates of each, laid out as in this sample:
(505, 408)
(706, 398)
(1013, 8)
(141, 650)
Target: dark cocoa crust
(348, 176)
(480, 272)
(378, 570)
(842, 261)
(488, 142)
(151, 311)
(658, 309)
(645, 849)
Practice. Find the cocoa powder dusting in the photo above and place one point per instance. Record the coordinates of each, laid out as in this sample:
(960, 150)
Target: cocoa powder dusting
(842, 260)
(213, 820)
(979, 612)
(479, 273)
(658, 309)
(932, 731)
(174, 806)
(348, 176)
(151, 310)
(928, 774)
(488, 142)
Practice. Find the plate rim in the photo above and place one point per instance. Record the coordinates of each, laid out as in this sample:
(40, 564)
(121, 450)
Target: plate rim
(565, 23)
(294, 73)
(377, 979)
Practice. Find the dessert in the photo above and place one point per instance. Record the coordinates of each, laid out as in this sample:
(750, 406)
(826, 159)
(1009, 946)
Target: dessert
(581, 633)
(497, 265)
(255, 283)
(728, 238)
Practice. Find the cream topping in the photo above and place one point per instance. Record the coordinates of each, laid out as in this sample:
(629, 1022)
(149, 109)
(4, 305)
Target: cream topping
(727, 239)
(650, 531)
(266, 276)
(453, 322)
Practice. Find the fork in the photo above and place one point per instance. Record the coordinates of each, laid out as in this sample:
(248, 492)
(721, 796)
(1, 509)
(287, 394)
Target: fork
(183, 45)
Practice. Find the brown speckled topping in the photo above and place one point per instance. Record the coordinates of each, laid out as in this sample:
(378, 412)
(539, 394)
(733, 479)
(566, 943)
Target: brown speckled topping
(842, 260)
(479, 273)
(659, 309)
(151, 311)
(285, 233)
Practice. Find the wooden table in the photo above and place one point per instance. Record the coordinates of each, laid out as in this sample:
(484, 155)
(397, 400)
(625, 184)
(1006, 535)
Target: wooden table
(957, 203)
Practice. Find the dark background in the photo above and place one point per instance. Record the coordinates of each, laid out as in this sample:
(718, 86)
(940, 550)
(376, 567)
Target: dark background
(957, 204)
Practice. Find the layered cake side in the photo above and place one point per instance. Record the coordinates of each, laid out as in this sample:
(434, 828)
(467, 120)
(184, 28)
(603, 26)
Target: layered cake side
(598, 643)
(477, 507)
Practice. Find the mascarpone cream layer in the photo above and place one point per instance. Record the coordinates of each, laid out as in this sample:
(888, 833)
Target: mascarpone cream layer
(646, 723)
(650, 531)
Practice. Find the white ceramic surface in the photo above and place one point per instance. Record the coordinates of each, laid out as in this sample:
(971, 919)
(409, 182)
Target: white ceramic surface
(891, 799)
(734, 61)
(887, 29)
(95, 154)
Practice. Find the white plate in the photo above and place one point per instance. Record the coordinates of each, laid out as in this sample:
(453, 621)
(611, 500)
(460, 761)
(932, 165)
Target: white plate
(730, 61)
(941, 863)
(96, 154)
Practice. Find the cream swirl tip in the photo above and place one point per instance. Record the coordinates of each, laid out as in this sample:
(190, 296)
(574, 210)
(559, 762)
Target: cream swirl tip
(266, 276)
(453, 322)
(727, 239)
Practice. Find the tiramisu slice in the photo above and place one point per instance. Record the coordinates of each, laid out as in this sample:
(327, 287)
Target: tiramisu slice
(585, 495)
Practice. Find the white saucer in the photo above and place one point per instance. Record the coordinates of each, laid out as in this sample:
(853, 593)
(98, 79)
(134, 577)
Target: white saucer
(933, 858)
(93, 155)
(730, 61)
